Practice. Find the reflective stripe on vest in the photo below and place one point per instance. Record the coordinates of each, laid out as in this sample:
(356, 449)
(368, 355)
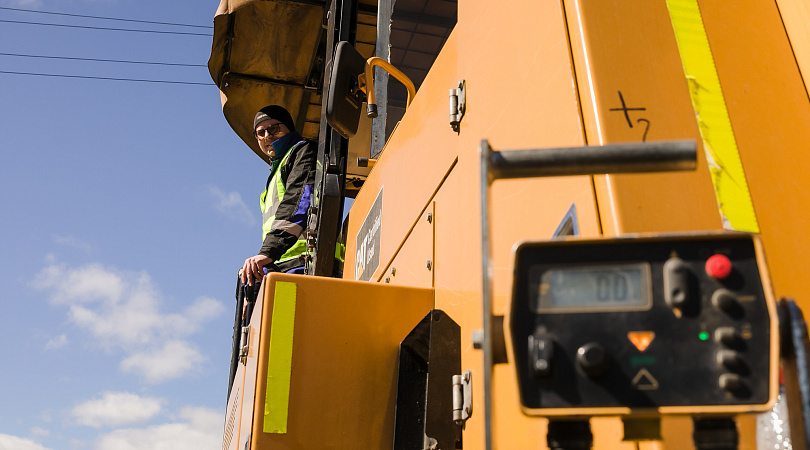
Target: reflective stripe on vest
(276, 190)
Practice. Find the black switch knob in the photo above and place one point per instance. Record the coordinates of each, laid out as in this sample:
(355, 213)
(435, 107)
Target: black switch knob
(727, 336)
(593, 359)
(724, 300)
(730, 359)
(541, 353)
(676, 282)
(730, 382)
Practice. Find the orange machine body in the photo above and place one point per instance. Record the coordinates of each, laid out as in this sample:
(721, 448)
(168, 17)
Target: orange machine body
(544, 74)
(571, 73)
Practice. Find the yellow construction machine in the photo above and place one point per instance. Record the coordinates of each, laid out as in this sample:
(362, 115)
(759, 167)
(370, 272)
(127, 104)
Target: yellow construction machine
(560, 221)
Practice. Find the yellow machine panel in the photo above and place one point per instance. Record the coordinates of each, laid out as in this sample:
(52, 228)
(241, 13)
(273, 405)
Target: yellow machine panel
(632, 88)
(409, 178)
(413, 263)
(321, 364)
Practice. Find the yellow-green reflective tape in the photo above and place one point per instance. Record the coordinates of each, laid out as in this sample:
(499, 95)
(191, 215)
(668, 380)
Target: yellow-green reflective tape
(279, 365)
(728, 178)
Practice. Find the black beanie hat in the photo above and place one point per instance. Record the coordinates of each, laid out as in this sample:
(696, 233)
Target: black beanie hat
(274, 112)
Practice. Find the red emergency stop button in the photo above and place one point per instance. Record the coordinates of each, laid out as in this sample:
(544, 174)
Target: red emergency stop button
(718, 266)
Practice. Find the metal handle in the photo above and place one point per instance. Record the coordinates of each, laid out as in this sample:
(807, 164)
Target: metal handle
(637, 157)
(396, 73)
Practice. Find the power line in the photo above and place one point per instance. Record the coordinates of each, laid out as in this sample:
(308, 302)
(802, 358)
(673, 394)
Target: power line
(105, 78)
(104, 18)
(102, 60)
(105, 28)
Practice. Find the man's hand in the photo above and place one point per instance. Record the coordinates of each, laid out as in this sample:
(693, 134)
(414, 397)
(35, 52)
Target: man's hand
(253, 268)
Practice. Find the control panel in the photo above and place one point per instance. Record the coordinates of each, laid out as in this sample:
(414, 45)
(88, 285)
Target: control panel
(654, 325)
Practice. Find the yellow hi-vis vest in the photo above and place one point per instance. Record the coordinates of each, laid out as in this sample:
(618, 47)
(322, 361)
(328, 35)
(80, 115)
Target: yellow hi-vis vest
(276, 190)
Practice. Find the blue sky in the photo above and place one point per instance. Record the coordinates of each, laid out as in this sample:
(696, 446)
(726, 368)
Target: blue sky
(126, 209)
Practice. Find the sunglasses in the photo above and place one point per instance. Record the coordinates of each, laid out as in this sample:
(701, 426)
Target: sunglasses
(271, 130)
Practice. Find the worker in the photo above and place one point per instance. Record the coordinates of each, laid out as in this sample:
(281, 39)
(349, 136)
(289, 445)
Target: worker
(286, 197)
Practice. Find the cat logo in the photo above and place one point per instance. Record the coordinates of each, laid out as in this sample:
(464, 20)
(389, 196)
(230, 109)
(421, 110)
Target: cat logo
(367, 258)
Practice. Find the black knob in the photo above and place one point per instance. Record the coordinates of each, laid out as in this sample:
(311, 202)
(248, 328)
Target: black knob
(593, 359)
(730, 382)
(727, 336)
(677, 288)
(724, 300)
(730, 359)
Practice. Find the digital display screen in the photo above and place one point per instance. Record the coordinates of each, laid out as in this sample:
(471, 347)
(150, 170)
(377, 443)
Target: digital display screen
(592, 288)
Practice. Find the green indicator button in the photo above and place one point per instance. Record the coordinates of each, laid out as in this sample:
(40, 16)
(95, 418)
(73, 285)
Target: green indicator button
(703, 336)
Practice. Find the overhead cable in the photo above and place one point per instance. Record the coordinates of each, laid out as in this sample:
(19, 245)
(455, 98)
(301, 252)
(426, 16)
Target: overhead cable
(104, 18)
(105, 28)
(106, 78)
(101, 60)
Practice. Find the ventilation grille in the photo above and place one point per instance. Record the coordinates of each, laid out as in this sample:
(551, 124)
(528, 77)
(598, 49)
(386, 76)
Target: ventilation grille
(230, 424)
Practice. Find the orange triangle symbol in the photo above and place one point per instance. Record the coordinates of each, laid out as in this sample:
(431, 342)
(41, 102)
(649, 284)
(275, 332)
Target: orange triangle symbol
(641, 339)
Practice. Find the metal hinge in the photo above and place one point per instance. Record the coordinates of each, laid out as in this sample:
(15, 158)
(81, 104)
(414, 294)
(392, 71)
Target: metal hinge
(243, 352)
(462, 397)
(430, 443)
(458, 105)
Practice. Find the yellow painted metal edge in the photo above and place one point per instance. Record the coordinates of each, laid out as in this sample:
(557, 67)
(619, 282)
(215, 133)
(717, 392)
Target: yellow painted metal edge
(279, 359)
(796, 17)
(767, 287)
(719, 143)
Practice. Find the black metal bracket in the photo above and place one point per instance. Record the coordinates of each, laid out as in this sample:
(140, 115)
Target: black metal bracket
(574, 434)
(796, 369)
(330, 176)
(429, 357)
(715, 433)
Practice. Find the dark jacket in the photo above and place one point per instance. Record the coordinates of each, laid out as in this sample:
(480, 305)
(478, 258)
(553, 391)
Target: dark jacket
(298, 177)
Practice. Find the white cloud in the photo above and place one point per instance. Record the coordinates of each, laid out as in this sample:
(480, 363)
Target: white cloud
(115, 409)
(122, 310)
(87, 284)
(202, 310)
(133, 320)
(232, 205)
(200, 429)
(71, 241)
(9, 442)
(174, 360)
(37, 431)
(57, 342)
